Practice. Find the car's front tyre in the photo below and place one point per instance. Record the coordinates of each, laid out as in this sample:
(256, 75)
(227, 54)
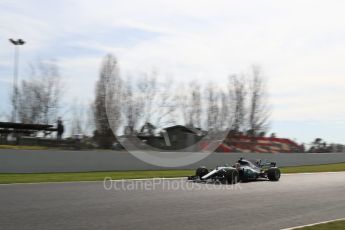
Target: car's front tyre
(273, 174)
(201, 171)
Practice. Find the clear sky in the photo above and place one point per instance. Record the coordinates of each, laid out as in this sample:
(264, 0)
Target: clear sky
(299, 44)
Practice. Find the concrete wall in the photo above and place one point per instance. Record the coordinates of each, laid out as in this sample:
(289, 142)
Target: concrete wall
(28, 161)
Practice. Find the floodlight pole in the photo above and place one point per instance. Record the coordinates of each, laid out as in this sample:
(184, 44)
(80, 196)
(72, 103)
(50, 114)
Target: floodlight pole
(16, 44)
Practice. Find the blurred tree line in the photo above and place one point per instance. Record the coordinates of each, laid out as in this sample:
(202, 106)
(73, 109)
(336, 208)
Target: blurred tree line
(240, 104)
(125, 105)
(38, 98)
(321, 146)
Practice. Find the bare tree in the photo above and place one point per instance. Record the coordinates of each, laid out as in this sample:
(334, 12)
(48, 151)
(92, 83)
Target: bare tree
(131, 106)
(237, 93)
(196, 109)
(166, 106)
(189, 102)
(212, 107)
(225, 115)
(38, 98)
(183, 102)
(106, 106)
(258, 108)
(90, 118)
(155, 100)
(28, 107)
(147, 89)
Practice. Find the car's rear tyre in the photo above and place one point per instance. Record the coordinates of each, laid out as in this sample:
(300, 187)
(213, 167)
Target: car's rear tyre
(231, 176)
(201, 171)
(273, 174)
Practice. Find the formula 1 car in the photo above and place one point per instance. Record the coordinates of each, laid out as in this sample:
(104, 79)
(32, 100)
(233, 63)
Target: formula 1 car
(243, 170)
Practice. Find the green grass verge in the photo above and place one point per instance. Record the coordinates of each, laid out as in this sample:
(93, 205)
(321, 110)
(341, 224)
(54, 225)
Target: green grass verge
(7, 178)
(336, 225)
(20, 147)
(315, 168)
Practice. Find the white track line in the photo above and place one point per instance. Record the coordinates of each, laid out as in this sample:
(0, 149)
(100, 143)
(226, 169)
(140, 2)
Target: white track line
(157, 178)
(99, 181)
(312, 173)
(310, 225)
(52, 182)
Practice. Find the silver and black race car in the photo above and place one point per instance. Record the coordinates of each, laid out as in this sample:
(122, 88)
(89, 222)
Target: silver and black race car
(243, 170)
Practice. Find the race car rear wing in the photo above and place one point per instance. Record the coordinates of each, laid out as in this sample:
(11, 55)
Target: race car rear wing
(266, 163)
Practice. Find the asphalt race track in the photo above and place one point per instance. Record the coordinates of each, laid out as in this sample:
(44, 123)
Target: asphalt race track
(174, 204)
